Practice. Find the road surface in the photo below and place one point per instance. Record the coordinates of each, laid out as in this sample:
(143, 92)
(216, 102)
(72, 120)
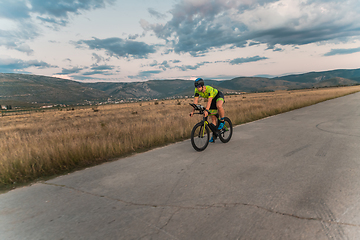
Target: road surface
(291, 176)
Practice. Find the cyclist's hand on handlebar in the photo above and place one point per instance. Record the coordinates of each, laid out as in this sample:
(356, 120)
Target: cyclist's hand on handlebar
(191, 114)
(206, 113)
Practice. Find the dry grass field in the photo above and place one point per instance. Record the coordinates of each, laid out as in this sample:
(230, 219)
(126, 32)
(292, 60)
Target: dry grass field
(49, 143)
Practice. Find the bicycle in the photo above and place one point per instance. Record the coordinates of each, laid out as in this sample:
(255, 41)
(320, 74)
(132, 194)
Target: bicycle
(200, 134)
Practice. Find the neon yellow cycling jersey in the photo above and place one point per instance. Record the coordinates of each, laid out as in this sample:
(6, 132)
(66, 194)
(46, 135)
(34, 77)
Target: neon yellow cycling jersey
(209, 92)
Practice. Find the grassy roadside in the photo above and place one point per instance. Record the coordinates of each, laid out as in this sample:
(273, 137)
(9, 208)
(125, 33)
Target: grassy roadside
(47, 144)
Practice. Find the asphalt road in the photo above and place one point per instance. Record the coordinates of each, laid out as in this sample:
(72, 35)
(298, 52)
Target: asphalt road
(292, 176)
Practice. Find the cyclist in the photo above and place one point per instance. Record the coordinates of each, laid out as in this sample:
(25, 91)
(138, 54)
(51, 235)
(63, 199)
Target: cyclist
(215, 101)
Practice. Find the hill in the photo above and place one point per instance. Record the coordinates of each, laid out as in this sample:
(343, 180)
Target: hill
(144, 90)
(29, 90)
(336, 81)
(253, 84)
(316, 77)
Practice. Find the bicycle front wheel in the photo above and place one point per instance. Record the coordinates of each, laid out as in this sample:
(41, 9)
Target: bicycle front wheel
(226, 133)
(200, 136)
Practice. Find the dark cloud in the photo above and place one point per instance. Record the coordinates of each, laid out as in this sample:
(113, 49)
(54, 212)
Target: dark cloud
(145, 74)
(198, 27)
(97, 72)
(191, 67)
(62, 8)
(97, 57)
(100, 69)
(15, 39)
(54, 14)
(246, 60)
(72, 70)
(24, 48)
(164, 65)
(14, 65)
(19, 13)
(133, 37)
(308, 34)
(16, 10)
(53, 22)
(156, 14)
(92, 73)
(38, 64)
(275, 49)
(253, 43)
(153, 64)
(342, 51)
(119, 47)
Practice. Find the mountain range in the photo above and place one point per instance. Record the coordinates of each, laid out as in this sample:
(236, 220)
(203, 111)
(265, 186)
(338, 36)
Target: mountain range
(34, 90)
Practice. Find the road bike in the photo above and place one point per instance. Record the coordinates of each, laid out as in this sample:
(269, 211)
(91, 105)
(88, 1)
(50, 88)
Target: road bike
(200, 134)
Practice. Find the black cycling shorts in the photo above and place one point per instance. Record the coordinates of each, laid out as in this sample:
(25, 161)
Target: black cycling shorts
(219, 96)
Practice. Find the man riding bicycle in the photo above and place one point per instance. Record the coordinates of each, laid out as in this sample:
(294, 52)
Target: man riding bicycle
(215, 101)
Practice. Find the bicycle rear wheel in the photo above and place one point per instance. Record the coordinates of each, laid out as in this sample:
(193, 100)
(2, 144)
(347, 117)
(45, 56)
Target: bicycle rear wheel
(200, 136)
(226, 133)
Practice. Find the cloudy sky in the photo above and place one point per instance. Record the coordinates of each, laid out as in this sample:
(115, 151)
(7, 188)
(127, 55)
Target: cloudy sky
(139, 40)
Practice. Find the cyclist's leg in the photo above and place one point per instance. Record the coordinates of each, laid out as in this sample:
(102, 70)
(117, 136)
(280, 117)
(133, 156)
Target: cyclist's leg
(213, 110)
(219, 106)
(214, 120)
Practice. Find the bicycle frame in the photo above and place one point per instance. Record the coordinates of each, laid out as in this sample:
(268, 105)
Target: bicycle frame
(201, 130)
(212, 127)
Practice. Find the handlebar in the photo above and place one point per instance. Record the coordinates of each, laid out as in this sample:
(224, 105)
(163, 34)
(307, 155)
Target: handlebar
(199, 108)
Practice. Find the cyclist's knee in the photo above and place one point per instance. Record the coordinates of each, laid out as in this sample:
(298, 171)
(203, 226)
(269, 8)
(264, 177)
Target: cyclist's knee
(220, 108)
(219, 104)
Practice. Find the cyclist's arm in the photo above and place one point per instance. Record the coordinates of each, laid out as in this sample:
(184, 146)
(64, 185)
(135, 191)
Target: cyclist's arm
(208, 105)
(196, 100)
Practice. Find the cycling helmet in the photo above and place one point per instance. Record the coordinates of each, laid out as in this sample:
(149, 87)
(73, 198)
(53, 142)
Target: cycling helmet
(199, 81)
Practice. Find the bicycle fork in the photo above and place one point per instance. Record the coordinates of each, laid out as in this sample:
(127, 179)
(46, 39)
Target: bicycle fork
(203, 131)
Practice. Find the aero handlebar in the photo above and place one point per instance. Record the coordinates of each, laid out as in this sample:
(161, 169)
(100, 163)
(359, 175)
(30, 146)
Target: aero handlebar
(198, 107)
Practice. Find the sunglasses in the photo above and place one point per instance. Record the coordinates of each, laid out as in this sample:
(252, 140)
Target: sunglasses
(198, 86)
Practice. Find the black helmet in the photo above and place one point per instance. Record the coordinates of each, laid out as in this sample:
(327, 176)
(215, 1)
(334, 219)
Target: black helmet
(199, 82)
